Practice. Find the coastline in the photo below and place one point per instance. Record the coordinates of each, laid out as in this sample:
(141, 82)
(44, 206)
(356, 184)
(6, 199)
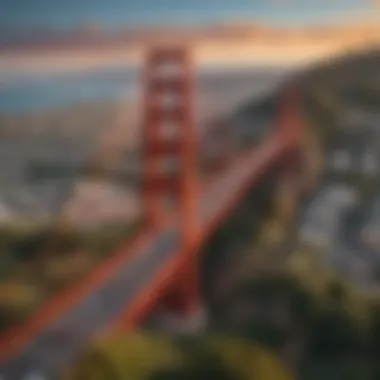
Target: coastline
(249, 52)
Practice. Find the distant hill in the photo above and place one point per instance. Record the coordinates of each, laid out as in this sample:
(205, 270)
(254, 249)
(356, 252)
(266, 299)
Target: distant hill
(91, 35)
(89, 46)
(342, 95)
(345, 72)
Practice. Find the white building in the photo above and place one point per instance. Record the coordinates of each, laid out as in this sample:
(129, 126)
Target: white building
(6, 214)
(310, 235)
(370, 234)
(341, 160)
(321, 224)
(97, 202)
(370, 162)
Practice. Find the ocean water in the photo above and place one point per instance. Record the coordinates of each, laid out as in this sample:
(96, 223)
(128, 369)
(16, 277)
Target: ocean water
(33, 92)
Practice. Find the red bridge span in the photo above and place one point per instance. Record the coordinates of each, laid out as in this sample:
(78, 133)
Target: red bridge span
(157, 268)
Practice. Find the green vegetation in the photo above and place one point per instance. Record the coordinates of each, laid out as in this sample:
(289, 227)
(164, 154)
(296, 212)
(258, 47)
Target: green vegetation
(322, 111)
(367, 94)
(147, 357)
(36, 263)
(333, 333)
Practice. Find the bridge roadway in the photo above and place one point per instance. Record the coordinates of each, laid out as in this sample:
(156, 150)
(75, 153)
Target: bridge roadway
(56, 344)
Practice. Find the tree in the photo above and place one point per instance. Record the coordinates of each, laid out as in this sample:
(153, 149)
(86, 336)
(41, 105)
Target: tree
(374, 330)
(279, 307)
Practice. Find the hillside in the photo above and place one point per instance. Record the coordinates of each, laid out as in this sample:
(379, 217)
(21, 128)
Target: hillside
(333, 330)
(347, 73)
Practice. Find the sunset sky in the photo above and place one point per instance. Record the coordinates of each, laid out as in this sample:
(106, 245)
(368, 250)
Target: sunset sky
(61, 14)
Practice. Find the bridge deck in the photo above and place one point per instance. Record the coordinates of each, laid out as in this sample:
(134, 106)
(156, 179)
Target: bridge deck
(58, 342)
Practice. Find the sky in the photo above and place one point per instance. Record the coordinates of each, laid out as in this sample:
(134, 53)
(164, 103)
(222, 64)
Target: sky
(113, 14)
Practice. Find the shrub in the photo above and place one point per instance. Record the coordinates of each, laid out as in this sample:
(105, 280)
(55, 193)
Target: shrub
(142, 357)
(333, 335)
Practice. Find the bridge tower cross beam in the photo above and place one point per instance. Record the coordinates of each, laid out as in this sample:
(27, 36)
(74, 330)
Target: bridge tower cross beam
(169, 138)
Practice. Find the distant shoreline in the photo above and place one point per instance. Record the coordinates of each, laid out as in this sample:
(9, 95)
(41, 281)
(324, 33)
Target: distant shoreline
(245, 55)
(228, 44)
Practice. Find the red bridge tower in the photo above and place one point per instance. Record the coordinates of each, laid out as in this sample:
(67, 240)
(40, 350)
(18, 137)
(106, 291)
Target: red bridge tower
(170, 161)
(169, 141)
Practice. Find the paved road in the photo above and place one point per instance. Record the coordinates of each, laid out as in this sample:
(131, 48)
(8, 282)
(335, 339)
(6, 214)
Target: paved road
(59, 343)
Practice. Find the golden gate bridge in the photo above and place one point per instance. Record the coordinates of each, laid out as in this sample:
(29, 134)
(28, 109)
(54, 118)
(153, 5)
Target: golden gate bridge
(158, 268)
